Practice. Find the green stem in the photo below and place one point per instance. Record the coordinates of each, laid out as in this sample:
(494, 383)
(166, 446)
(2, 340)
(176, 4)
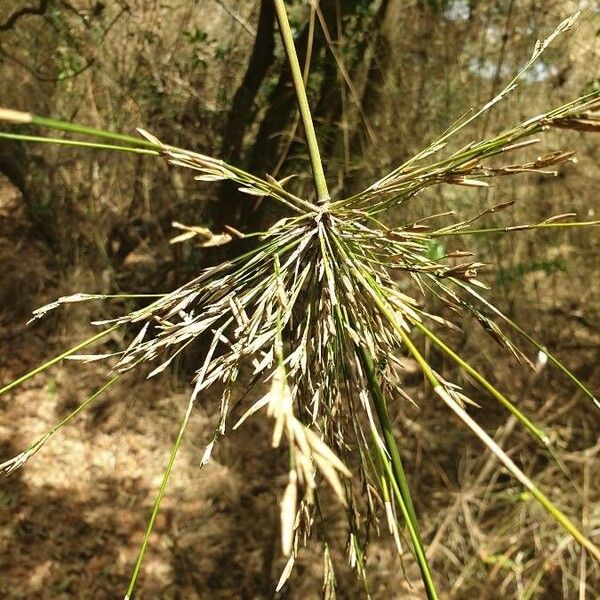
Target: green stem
(92, 131)
(557, 363)
(514, 228)
(536, 431)
(439, 390)
(309, 128)
(159, 497)
(81, 407)
(19, 460)
(76, 143)
(56, 359)
(387, 428)
(396, 473)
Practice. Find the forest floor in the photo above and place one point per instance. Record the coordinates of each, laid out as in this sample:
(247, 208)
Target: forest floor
(72, 520)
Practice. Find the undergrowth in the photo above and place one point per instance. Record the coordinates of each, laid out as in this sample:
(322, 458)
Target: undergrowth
(323, 307)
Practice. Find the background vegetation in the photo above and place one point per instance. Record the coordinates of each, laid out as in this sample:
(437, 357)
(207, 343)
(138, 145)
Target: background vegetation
(210, 76)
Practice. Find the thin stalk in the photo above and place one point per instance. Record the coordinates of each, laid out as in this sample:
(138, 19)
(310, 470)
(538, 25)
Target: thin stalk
(76, 143)
(387, 429)
(159, 497)
(419, 550)
(56, 359)
(513, 228)
(260, 182)
(23, 457)
(79, 409)
(104, 296)
(309, 128)
(148, 147)
(536, 431)
(13, 116)
(557, 363)
(396, 472)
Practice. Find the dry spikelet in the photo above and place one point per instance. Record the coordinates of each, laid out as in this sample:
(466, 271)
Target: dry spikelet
(15, 116)
(288, 513)
(287, 571)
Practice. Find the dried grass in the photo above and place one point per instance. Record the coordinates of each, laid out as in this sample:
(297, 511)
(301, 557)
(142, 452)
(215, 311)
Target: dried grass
(322, 311)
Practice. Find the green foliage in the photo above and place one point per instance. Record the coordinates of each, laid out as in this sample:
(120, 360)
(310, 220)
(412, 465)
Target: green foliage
(508, 276)
(435, 250)
(68, 63)
(201, 45)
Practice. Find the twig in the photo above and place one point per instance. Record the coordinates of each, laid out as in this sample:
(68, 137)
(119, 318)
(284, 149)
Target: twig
(21, 12)
(236, 17)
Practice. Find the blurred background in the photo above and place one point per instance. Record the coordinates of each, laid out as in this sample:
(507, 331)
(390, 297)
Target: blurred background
(386, 76)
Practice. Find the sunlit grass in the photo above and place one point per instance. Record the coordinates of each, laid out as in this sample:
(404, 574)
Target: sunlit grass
(319, 309)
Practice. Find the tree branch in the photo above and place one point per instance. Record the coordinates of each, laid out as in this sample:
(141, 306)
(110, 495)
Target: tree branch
(21, 12)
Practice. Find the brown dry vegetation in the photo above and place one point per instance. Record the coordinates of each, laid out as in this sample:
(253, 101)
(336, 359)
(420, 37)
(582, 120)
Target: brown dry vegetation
(71, 521)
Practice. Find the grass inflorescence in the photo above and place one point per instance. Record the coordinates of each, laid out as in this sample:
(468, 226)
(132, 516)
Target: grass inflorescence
(323, 308)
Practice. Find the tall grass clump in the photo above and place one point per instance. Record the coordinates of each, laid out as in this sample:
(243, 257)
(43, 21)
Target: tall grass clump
(321, 308)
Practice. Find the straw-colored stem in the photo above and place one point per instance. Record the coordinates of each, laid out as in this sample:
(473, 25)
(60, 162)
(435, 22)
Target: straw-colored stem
(309, 128)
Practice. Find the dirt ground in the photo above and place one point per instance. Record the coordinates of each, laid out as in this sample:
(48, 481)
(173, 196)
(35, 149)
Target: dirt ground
(72, 520)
